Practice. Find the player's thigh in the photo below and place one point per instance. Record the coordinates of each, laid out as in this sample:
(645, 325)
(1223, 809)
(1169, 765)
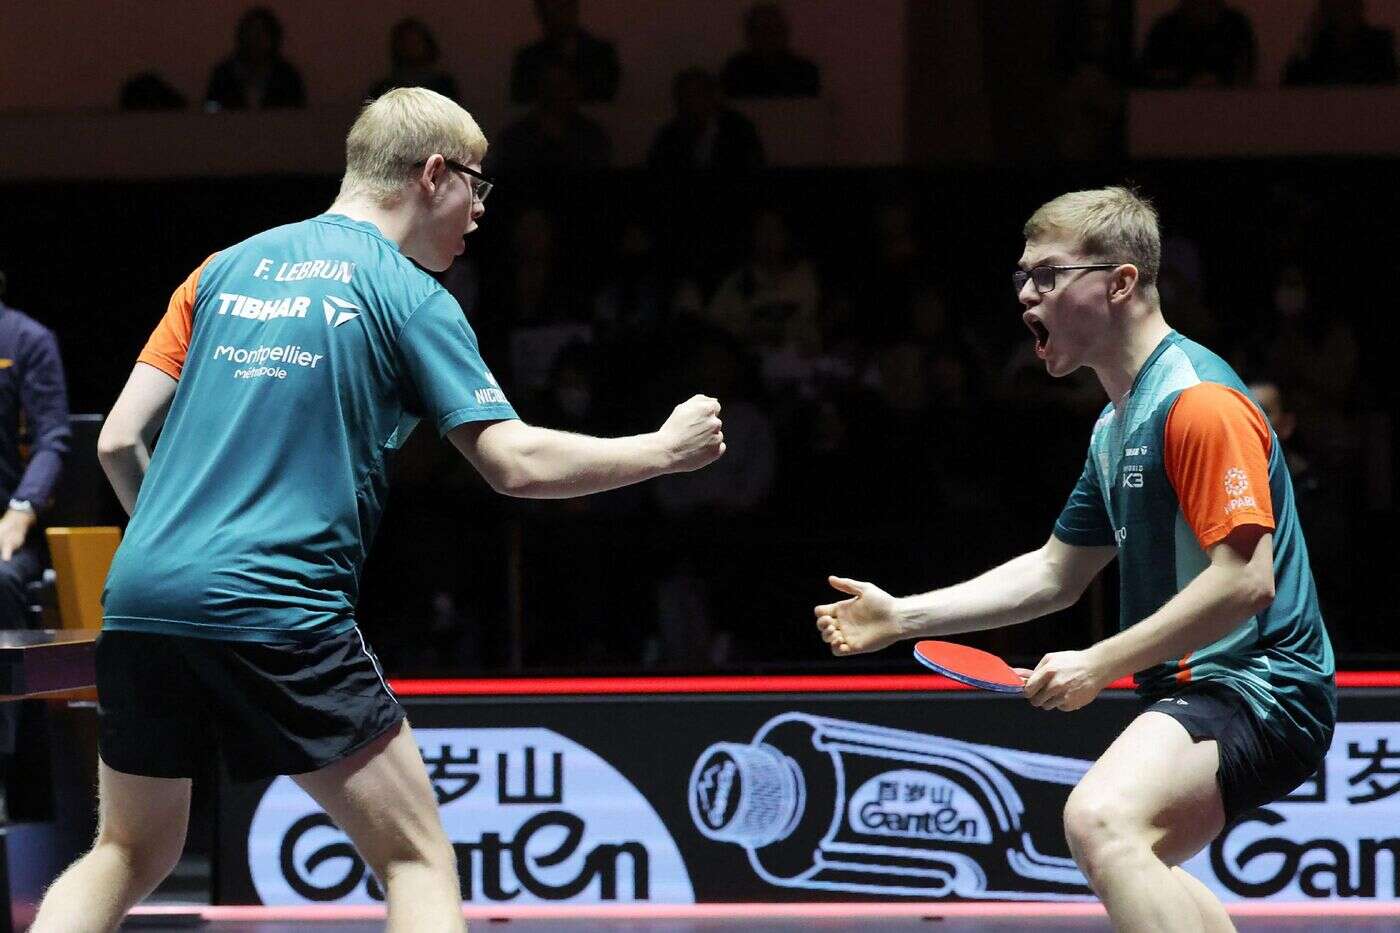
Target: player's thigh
(381, 798)
(1155, 783)
(148, 815)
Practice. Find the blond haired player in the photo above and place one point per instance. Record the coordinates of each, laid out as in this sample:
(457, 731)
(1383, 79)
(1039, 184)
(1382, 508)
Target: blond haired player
(1186, 485)
(284, 370)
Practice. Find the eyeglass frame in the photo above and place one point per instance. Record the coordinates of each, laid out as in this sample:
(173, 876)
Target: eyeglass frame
(482, 185)
(1020, 277)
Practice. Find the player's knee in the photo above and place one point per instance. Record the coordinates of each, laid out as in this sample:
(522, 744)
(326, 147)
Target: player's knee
(1094, 822)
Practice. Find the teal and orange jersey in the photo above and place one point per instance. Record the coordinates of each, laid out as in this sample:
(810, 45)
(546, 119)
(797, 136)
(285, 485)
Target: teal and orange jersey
(1188, 459)
(302, 356)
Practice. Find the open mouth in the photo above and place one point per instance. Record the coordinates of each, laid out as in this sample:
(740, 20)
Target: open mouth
(1042, 334)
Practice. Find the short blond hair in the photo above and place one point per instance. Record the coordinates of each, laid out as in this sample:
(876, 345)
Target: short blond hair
(404, 126)
(1110, 224)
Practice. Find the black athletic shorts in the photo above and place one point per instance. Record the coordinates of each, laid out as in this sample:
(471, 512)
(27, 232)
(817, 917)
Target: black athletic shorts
(167, 703)
(1256, 766)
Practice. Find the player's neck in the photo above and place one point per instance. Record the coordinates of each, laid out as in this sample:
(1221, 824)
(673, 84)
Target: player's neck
(392, 222)
(1129, 354)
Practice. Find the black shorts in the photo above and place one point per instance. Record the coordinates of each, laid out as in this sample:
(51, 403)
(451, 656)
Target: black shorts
(167, 703)
(1256, 766)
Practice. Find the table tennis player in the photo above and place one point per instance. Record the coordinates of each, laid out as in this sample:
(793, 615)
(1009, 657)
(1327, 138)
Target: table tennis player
(283, 371)
(1186, 485)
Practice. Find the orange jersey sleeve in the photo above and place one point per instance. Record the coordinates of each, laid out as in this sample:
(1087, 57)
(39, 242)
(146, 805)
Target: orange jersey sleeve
(170, 341)
(1216, 449)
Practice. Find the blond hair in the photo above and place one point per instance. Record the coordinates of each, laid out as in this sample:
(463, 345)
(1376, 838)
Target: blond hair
(405, 126)
(1109, 224)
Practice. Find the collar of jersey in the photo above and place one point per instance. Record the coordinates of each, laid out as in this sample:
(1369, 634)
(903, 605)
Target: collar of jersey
(364, 226)
(1171, 339)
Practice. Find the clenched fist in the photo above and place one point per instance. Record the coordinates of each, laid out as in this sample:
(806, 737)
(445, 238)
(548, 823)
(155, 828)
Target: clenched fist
(693, 435)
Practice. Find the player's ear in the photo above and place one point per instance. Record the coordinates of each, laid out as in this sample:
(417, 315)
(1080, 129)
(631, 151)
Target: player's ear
(1123, 283)
(431, 172)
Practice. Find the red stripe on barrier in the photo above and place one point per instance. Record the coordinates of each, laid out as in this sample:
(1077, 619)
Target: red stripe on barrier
(1027, 910)
(787, 683)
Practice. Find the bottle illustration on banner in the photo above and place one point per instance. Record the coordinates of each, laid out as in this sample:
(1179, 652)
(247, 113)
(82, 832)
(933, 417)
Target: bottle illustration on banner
(825, 804)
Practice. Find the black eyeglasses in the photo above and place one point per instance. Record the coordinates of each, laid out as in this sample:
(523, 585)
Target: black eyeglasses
(481, 185)
(1044, 276)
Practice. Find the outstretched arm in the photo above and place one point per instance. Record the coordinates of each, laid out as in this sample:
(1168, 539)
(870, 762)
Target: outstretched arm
(530, 462)
(1025, 587)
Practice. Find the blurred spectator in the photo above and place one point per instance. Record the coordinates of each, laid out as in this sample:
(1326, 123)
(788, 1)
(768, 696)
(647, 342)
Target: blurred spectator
(636, 301)
(1091, 115)
(592, 61)
(1091, 104)
(413, 61)
(1201, 43)
(563, 541)
(1183, 308)
(1325, 509)
(767, 67)
(710, 520)
(770, 303)
(256, 75)
(535, 299)
(897, 271)
(149, 90)
(704, 133)
(34, 436)
(554, 137)
(543, 292)
(741, 479)
(1310, 347)
(1314, 352)
(1340, 47)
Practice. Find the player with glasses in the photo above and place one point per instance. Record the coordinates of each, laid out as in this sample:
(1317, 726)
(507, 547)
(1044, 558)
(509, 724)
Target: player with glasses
(480, 185)
(230, 609)
(1186, 486)
(1044, 277)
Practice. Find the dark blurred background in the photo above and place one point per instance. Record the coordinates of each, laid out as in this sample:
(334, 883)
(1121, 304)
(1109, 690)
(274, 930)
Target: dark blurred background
(809, 210)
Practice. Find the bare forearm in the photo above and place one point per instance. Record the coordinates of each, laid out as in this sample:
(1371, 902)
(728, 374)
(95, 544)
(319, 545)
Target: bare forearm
(1206, 610)
(548, 464)
(1021, 589)
(125, 466)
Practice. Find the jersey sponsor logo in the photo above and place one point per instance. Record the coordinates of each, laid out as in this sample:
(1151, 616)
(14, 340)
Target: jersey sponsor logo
(263, 309)
(1236, 481)
(337, 270)
(1236, 485)
(338, 310)
(267, 362)
(1132, 476)
(490, 397)
(1135, 451)
(1120, 535)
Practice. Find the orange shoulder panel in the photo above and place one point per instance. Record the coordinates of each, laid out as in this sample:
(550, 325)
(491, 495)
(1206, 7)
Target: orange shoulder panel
(1216, 450)
(170, 341)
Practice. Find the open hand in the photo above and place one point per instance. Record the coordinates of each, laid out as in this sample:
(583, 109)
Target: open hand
(863, 623)
(693, 436)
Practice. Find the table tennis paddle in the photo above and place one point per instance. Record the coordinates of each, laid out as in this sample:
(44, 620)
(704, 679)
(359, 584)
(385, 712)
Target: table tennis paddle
(971, 666)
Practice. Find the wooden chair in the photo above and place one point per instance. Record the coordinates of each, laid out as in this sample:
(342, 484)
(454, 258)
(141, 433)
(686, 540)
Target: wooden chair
(80, 559)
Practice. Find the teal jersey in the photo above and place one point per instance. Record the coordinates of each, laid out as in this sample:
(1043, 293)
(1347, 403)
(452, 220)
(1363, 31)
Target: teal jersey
(302, 356)
(1187, 460)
